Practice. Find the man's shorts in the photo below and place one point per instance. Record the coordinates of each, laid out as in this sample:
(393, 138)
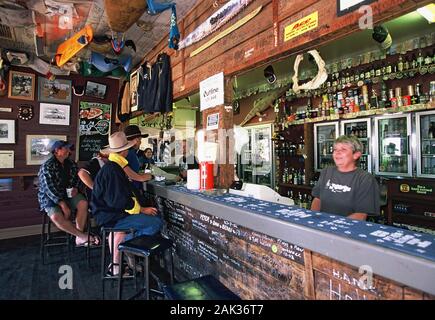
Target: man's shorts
(53, 208)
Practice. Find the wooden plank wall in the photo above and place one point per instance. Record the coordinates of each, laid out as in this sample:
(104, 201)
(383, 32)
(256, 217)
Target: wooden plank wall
(257, 266)
(20, 206)
(261, 40)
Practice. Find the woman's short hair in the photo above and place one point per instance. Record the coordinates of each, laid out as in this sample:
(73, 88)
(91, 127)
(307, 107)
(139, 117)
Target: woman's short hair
(146, 149)
(353, 141)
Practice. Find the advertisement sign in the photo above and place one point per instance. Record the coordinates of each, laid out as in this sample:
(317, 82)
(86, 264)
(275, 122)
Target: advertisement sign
(211, 91)
(301, 26)
(94, 128)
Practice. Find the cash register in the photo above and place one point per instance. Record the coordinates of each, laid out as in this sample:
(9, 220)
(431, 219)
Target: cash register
(259, 192)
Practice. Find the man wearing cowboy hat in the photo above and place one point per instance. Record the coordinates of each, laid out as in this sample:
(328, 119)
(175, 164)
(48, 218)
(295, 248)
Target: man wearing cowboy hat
(113, 197)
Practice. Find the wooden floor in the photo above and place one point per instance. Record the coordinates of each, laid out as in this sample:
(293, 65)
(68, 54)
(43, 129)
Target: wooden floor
(23, 276)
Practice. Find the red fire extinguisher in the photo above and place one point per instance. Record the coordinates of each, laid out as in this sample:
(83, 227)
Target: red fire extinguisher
(206, 176)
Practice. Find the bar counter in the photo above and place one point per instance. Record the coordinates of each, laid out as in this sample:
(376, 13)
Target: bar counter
(263, 250)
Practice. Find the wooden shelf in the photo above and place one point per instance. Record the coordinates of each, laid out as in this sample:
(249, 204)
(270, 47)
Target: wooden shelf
(365, 113)
(12, 175)
(296, 186)
(412, 219)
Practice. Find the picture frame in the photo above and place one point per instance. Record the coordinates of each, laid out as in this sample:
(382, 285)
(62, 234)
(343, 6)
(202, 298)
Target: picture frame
(134, 83)
(7, 131)
(95, 89)
(21, 85)
(54, 114)
(38, 147)
(55, 91)
(347, 6)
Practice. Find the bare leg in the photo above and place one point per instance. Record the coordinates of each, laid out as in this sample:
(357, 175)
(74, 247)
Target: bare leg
(119, 237)
(67, 226)
(82, 214)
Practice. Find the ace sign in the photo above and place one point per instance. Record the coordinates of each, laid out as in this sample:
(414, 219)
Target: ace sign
(212, 91)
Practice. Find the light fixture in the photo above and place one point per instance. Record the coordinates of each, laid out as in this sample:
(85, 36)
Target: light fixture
(428, 12)
(269, 74)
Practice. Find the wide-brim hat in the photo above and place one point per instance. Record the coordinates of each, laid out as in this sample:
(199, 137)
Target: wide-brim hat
(132, 131)
(118, 142)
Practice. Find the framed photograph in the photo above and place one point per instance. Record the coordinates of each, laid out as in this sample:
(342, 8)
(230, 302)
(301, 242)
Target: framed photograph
(55, 114)
(6, 184)
(134, 83)
(21, 85)
(38, 147)
(346, 6)
(7, 131)
(56, 91)
(96, 90)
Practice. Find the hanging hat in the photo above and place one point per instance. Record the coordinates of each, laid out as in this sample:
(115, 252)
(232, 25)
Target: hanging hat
(118, 142)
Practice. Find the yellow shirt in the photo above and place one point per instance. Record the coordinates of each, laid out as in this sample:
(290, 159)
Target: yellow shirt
(115, 157)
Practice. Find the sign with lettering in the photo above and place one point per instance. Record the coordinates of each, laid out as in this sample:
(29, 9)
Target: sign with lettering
(94, 128)
(418, 189)
(211, 91)
(301, 26)
(212, 121)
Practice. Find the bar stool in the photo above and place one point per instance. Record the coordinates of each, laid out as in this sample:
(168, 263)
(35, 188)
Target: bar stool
(105, 269)
(203, 288)
(146, 247)
(49, 240)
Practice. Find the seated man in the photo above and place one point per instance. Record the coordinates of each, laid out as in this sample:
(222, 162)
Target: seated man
(113, 201)
(56, 175)
(187, 161)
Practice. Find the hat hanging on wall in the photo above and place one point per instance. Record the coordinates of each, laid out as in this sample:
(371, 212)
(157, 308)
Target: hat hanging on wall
(25, 112)
(78, 90)
(269, 74)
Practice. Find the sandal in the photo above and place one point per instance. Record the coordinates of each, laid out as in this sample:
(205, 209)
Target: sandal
(127, 273)
(94, 241)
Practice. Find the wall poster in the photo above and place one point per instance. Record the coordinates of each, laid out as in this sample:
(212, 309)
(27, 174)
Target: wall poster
(94, 128)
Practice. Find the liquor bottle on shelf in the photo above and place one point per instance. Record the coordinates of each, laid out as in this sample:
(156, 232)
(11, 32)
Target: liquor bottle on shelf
(420, 59)
(374, 100)
(398, 92)
(400, 64)
(385, 102)
(428, 59)
(414, 98)
(417, 93)
(393, 100)
(285, 175)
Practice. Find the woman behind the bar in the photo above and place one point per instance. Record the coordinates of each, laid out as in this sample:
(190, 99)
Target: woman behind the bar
(345, 189)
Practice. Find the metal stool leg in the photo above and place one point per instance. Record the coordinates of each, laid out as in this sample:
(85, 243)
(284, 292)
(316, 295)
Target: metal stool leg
(103, 260)
(147, 278)
(42, 249)
(121, 259)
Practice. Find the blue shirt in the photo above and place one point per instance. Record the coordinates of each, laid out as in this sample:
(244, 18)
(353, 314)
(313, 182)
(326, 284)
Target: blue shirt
(134, 164)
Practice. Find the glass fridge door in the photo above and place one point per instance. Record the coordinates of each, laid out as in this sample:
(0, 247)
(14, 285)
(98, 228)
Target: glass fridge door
(393, 156)
(426, 144)
(261, 157)
(324, 137)
(245, 161)
(360, 128)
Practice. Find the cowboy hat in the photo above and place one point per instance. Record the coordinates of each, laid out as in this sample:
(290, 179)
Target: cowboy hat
(117, 143)
(132, 131)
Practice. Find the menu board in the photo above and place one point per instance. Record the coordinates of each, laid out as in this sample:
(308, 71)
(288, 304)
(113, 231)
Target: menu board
(94, 128)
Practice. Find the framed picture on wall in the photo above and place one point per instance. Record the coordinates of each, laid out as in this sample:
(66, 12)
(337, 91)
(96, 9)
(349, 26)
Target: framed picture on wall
(134, 83)
(7, 131)
(21, 85)
(55, 114)
(96, 90)
(38, 147)
(346, 6)
(57, 91)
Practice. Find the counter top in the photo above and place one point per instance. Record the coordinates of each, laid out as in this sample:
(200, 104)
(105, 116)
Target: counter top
(401, 255)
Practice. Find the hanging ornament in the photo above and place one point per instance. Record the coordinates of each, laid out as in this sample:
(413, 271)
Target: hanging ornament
(25, 112)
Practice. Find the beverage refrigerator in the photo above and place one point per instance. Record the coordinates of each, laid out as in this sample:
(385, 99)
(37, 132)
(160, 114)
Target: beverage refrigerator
(324, 137)
(256, 162)
(425, 132)
(362, 129)
(392, 149)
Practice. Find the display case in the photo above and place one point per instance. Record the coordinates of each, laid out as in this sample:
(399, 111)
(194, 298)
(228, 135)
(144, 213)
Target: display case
(392, 140)
(255, 163)
(324, 137)
(361, 128)
(425, 131)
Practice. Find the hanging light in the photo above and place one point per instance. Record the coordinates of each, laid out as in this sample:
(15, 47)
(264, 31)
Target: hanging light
(428, 12)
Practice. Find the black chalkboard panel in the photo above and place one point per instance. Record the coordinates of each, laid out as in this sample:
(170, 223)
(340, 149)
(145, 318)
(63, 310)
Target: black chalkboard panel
(94, 128)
